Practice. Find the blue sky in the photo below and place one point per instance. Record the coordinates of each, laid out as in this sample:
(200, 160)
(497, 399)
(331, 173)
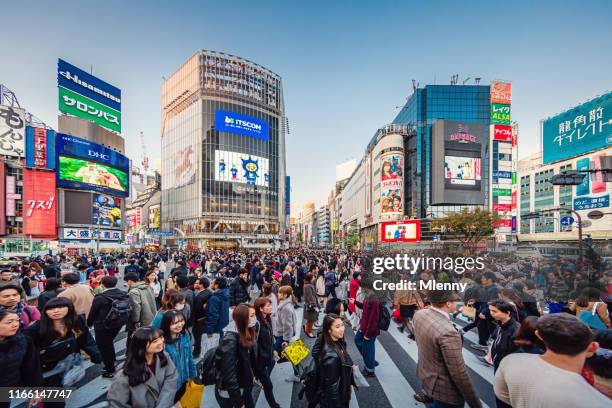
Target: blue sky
(345, 65)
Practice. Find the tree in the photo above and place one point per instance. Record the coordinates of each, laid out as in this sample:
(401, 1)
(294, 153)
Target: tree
(468, 226)
(300, 236)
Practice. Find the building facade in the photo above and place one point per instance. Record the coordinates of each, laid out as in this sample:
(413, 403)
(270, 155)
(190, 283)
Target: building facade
(223, 152)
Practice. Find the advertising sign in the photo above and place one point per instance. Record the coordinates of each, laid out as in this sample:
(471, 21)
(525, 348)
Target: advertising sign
(2, 201)
(75, 234)
(502, 175)
(392, 183)
(90, 166)
(154, 216)
(39, 203)
(462, 171)
(500, 114)
(502, 192)
(82, 107)
(502, 133)
(11, 196)
(501, 92)
(241, 168)
(579, 130)
(12, 131)
(502, 223)
(40, 148)
(589, 203)
(400, 231)
(368, 185)
(106, 211)
(502, 207)
(584, 187)
(287, 195)
(184, 167)
(233, 122)
(134, 217)
(81, 82)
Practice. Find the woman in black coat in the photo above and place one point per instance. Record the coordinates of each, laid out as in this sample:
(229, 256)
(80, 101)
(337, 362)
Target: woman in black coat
(18, 357)
(235, 360)
(52, 289)
(265, 349)
(58, 334)
(503, 337)
(335, 365)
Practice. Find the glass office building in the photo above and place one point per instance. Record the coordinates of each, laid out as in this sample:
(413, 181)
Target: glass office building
(467, 103)
(223, 153)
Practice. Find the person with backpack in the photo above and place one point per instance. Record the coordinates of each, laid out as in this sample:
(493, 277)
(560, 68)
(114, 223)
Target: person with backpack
(143, 303)
(148, 378)
(110, 310)
(177, 344)
(330, 283)
(365, 338)
(591, 310)
(265, 348)
(235, 360)
(217, 310)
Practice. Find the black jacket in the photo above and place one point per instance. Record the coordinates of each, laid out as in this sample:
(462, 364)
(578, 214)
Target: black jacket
(51, 271)
(234, 365)
(239, 292)
(199, 302)
(335, 375)
(188, 293)
(101, 305)
(46, 296)
(20, 363)
(51, 354)
(265, 341)
(503, 341)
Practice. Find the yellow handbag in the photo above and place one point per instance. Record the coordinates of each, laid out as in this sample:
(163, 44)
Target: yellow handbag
(296, 352)
(192, 397)
(469, 312)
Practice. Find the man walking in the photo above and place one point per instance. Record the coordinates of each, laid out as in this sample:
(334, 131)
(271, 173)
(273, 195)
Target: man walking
(440, 366)
(217, 309)
(143, 303)
(202, 295)
(81, 295)
(239, 288)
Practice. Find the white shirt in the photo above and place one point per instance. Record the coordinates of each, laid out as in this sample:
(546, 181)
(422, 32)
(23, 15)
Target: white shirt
(527, 381)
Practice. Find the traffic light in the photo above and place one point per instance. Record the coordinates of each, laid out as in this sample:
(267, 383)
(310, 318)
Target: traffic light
(567, 179)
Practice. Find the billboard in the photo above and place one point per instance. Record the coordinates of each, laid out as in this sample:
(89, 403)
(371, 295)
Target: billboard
(500, 114)
(40, 148)
(502, 133)
(392, 183)
(39, 203)
(82, 107)
(579, 130)
(465, 171)
(76, 234)
(501, 92)
(287, 195)
(184, 171)
(77, 207)
(400, 231)
(11, 196)
(90, 166)
(2, 202)
(106, 211)
(83, 83)
(368, 185)
(233, 122)
(154, 216)
(134, 217)
(242, 168)
(12, 131)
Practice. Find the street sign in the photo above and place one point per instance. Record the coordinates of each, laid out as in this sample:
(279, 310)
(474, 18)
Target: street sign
(586, 224)
(567, 220)
(595, 215)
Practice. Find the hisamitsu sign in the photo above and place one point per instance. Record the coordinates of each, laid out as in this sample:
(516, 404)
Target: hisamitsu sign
(83, 83)
(233, 122)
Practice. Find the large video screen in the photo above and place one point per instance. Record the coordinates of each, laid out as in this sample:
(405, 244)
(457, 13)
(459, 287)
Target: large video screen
(462, 171)
(107, 211)
(242, 168)
(80, 173)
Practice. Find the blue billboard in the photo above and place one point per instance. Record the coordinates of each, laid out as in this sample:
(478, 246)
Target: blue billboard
(40, 148)
(579, 130)
(287, 195)
(86, 165)
(79, 81)
(233, 122)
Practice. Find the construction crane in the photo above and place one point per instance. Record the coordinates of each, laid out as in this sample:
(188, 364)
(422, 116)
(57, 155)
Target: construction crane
(145, 158)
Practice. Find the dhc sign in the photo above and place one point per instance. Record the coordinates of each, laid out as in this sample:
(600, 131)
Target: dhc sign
(241, 124)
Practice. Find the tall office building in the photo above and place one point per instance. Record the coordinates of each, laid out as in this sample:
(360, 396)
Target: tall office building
(223, 153)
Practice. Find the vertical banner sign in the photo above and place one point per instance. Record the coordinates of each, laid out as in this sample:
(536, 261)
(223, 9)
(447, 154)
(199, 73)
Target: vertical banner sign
(39, 203)
(40, 148)
(12, 131)
(11, 196)
(392, 183)
(2, 202)
(287, 195)
(368, 185)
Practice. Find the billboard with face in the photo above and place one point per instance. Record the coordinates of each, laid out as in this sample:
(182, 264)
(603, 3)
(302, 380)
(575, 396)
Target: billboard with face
(392, 183)
(400, 231)
(154, 216)
(107, 211)
(464, 171)
(242, 168)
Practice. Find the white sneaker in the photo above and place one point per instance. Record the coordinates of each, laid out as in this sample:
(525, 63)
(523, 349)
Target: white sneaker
(292, 378)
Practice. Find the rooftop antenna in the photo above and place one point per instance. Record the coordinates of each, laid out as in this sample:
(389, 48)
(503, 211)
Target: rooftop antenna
(454, 79)
(415, 85)
(465, 80)
(477, 80)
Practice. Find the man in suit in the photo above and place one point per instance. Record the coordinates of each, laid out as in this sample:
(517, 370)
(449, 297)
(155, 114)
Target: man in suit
(440, 367)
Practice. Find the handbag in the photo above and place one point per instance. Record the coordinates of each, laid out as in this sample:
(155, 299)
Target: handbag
(193, 395)
(592, 319)
(295, 352)
(469, 312)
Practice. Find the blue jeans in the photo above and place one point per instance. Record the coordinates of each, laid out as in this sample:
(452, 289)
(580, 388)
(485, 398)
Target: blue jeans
(440, 404)
(367, 348)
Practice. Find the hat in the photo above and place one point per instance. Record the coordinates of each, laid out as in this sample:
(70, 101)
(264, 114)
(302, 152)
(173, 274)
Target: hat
(442, 296)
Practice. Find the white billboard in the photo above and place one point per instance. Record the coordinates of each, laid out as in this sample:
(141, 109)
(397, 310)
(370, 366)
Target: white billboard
(12, 131)
(242, 168)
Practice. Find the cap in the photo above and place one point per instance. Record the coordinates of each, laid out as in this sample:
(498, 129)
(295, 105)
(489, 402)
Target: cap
(442, 296)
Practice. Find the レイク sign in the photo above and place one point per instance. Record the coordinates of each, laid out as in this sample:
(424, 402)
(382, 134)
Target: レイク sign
(500, 114)
(233, 122)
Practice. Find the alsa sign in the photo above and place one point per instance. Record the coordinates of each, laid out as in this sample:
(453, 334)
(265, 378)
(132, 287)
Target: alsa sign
(502, 133)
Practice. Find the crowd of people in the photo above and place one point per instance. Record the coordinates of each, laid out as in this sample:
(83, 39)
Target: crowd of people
(235, 312)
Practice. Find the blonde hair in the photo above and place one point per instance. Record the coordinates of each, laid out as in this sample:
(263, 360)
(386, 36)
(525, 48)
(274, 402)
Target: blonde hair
(288, 292)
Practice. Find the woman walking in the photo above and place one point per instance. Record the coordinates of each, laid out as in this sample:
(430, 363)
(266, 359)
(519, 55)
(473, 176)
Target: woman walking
(311, 305)
(177, 344)
(265, 348)
(148, 379)
(287, 324)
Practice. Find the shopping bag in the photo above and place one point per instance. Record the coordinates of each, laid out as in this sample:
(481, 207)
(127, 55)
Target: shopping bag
(469, 312)
(360, 380)
(193, 395)
(295, 352)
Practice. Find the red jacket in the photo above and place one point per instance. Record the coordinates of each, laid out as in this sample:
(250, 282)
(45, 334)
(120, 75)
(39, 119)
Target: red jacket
(370, 316)
(353, 288)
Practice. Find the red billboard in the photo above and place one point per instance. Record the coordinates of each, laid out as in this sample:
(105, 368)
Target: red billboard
(400, 231)
(501, 92)
(39, 203)
(501, 207)
(502, 133)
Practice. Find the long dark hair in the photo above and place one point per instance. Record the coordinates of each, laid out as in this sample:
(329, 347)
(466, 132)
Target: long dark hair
(136, 362)
(170, 317)
(241, 318)
(259, 304)
(71, 320)
(338, 346)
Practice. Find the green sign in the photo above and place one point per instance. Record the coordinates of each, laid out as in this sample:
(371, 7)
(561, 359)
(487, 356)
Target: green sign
(80, 106)
(500, 114)
(80, 173)
(502, 192)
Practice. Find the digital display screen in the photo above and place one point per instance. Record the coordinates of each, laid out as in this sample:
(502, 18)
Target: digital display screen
(462, 171)
(80, 173)
(242, 168)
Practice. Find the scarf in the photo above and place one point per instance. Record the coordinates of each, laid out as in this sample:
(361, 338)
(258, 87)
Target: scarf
(17, 309)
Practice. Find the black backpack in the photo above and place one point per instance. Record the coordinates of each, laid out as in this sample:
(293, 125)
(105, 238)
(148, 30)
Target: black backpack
(119, 313)
(384, 317)
(207, 367)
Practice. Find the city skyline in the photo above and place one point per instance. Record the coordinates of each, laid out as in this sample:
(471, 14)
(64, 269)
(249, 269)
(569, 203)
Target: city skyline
(344, 71)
